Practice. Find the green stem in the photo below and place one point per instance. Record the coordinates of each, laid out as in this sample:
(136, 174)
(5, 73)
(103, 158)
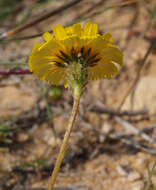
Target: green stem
(77, 95)
(150, 173)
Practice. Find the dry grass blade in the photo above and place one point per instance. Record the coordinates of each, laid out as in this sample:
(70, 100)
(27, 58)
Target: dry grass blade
(40, 19)
(150, 173)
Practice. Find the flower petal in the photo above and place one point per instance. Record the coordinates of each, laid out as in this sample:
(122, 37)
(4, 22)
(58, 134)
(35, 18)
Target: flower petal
(65, 83)
(107, 36)
(74, 31)
(69, 31)
(77, 30)
(107, 66)
(98, 44)
(42, 62)
(55, 75)
(100, 71)
(112, 54)
(59, 32)
(47, 36)
(90, 30)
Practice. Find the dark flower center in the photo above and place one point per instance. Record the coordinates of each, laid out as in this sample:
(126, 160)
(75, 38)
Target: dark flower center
(84, 58)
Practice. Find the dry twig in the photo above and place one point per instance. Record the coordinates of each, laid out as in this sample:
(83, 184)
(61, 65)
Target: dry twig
(133, 143)
(15, 72)
(112, 112)
(131, 130)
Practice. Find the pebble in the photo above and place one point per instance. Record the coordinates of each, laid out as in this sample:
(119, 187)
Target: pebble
(137, 185)
(133, 176)
(22, 137)
(123, 170)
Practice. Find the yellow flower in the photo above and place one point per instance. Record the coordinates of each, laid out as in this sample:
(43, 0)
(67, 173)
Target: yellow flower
(72, 50)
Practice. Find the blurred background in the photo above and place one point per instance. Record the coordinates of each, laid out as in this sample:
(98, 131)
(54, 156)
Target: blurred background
(113, 143)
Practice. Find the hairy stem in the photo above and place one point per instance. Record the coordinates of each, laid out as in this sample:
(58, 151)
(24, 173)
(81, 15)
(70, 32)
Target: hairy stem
(77, 95)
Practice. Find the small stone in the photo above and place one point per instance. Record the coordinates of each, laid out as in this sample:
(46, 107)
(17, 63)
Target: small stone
(102, 138)
(60, 124)
(144, 97)
(137, 186)
(154, 180)
(22, 137)
(93, 118)
(106, 128)
(42, 104)
(133, 176)
(53, 142)
(123, 170)
(14, 101)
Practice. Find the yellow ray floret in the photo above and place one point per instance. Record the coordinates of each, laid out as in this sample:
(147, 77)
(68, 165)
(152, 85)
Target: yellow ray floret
(97, 54)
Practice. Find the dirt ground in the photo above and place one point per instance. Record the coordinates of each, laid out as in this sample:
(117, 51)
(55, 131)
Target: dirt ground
(109, 149)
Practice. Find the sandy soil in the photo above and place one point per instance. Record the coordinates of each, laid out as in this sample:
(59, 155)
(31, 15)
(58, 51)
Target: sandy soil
(106, 151)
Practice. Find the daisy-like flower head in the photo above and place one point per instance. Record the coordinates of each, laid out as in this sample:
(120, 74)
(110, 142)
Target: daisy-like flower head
(75, 54)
